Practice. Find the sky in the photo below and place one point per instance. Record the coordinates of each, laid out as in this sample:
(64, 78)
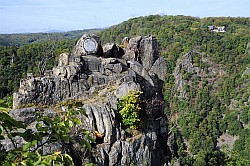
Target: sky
(31, 16)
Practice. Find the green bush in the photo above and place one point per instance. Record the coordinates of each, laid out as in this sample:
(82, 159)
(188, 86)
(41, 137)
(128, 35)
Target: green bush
(128, 107)
(48, 130)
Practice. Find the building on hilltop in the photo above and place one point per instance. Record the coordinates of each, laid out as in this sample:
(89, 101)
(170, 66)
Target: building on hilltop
(216, 28)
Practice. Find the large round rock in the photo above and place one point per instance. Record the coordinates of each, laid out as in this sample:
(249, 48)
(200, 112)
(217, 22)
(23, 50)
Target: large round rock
(88, 45)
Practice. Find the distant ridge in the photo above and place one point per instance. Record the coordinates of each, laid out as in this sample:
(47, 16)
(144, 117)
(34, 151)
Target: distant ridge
(20, 39)
(53, 31)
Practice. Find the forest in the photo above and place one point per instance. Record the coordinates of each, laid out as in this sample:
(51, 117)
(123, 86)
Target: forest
(208, 116)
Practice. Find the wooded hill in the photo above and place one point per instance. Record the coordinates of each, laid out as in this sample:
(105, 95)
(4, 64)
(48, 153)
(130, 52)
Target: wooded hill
(206, 89)
(28, 38)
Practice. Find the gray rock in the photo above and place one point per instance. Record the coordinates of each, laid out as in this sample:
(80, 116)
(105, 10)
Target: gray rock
(110, 50)
(115, 153)
(125, 40)
(132, 49)
(26, 115)
(140, 70)
(149, 51)
(159, 68)
(126, 87)
(99, 82)
(92, 63)
(63, 59)
(88, 45)
(102, 118)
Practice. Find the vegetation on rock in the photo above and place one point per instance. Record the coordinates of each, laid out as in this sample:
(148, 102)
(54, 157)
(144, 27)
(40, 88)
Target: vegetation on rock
(209, 95)
(206, 93)
(129, 109)
(27, 143)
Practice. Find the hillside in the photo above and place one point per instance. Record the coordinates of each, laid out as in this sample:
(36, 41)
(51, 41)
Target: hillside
(207, 86)
(24, 39)
(206, 90)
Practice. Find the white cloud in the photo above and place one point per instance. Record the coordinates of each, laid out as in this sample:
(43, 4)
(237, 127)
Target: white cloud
(159, 12)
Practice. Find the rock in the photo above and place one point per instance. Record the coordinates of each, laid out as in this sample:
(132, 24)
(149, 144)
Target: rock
(92, 63)
(115, 149)
(68, 72)
(132, 49)
(148, 51)
(101, 119)
(141, 71)
(88, 45)
(26, 115)
(98, 80)
(63, 59)
(125, 88)
(111, 65)
(125, 40)
(110, 50)
(159, 68)
(172, 144)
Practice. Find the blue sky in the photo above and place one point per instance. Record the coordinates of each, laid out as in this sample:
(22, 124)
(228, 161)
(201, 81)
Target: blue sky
(22, 16)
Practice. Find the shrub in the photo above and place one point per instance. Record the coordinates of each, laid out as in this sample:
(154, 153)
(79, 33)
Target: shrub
(48, 130)
(128, 107)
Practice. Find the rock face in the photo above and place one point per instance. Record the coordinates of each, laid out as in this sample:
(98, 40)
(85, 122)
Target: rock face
(99, 77)
(187, 65)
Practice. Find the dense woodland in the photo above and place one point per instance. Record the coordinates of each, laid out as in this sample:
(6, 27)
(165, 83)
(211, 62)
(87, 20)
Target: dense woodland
(214, 107)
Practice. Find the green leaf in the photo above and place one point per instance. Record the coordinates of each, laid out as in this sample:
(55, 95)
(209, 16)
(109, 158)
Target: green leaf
(2, 108)
(28, 135)
(27, 146)
(47, 121)
(66, 138)
(80, 110)
(1, 129)
(68, 159)
(77, 121)
(88, 145)
(57, 119)
(71, 123)
(34, 158)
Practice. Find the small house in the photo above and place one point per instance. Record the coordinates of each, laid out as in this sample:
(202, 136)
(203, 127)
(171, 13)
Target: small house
(217, 28)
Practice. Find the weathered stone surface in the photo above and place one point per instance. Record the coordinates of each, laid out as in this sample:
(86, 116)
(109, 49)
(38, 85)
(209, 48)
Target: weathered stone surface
(26, 115)
(125, 40)
(63, 59)
(183, 63)
(99, 82)
(92, 63)
(111, 50)
(68, 72)
(132, 49)
(102, 118)
(141, 71)
(125, 87)
(159, 68)
(87, 45)
(149, 51)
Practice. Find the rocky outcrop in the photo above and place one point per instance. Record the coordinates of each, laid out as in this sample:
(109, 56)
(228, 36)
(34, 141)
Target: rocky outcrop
(112, 50)
(87, 45)
(99, 77)
(195, 64)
